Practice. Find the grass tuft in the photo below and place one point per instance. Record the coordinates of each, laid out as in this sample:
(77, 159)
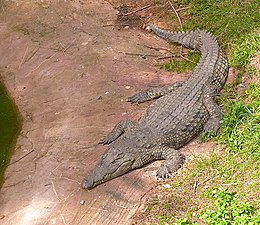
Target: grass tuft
(244, 50)
(182, 65)
(227, 20)
(226, 210)
(235, 24)
(202, 184)
(240, 126)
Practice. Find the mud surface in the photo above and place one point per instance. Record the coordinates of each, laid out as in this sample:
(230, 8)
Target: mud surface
(69, 69)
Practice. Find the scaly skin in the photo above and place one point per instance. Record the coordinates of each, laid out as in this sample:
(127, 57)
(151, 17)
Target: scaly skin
(182, 111)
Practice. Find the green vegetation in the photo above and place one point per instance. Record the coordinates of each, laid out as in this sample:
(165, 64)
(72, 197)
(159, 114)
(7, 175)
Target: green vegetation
(233, 23)
(198, 187)
(227, 20)
(240, 128)
(222, 187)
(246, 47)
(227, 210)
(182, 65)
(9, 126)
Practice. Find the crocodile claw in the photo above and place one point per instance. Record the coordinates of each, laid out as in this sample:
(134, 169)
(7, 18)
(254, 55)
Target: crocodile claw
(163, 172)
(134, 99)
(139, 98)
(105, 141)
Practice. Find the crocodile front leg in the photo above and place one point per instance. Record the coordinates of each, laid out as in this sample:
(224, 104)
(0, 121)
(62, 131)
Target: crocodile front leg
(208, 98)
(153, 93)
(173, 161)
(117, 131)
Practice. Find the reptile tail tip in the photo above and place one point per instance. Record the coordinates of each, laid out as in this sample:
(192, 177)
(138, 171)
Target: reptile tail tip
(153, 27)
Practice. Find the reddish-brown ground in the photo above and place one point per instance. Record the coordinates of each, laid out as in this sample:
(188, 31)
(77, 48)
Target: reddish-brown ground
(69, 65)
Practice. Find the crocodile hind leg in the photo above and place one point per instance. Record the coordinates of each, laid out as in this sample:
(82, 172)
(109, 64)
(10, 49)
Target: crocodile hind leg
(153, 93)
(209, 94)
(117, 131)
(173, 161)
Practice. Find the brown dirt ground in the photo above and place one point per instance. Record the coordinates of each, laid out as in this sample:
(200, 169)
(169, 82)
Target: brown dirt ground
(69, 66)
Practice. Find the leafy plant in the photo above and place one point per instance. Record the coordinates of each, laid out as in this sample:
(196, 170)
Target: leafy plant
(227, 210)
(241, 122)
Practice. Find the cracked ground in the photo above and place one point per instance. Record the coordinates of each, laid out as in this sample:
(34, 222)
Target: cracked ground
(69, 70)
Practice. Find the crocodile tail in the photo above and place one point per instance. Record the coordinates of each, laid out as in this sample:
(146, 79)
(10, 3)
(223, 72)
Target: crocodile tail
(189, 39)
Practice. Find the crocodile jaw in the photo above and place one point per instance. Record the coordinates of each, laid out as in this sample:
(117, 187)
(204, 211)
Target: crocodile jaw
(109, 167)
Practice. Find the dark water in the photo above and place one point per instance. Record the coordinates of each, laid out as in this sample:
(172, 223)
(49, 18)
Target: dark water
(9, 127)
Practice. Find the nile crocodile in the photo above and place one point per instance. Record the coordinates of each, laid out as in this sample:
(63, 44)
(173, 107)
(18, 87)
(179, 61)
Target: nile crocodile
(181, 112)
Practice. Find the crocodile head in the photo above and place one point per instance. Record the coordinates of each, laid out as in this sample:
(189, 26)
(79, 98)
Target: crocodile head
(112, 164)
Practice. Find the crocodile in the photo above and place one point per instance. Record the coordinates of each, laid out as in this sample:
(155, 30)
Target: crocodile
(180, 112)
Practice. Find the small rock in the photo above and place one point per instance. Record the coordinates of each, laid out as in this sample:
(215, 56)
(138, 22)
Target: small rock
(107, 92)
(82, 202)
(127, 87)
(166, 186)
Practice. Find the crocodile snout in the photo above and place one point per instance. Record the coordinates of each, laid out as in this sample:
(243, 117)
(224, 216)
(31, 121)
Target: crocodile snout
(113, 164)
(88, 183)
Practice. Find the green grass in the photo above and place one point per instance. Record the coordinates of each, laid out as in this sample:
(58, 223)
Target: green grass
(9, 127)
(244, 48)
(182, 65)
(235, 24)
(227, 20)
(190, 195)
(226, 210)
(240, 126)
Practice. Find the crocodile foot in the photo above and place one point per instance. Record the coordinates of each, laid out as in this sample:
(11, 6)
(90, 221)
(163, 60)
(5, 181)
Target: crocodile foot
(163, 172)
(138, 98)
(117, 131)
(154, 93)
(106, 140)
(170, 166)
(212, 126)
